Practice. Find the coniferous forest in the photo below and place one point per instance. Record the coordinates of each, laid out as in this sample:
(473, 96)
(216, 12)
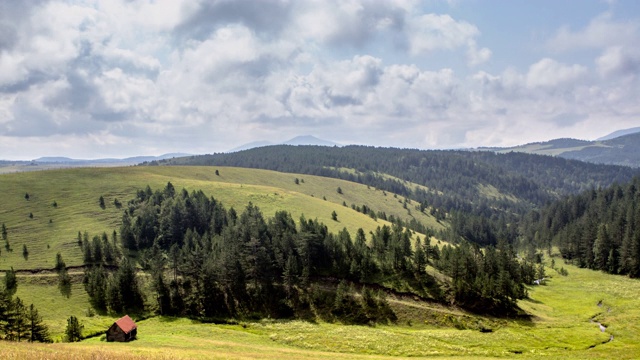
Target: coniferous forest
(597, 229)
(210, 262)
(455, 179)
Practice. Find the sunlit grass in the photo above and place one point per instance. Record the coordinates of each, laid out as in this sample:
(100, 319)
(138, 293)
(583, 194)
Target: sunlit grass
(76, 193)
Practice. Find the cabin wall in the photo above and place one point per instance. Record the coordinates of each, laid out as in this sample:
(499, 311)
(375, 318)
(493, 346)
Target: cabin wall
(116, 334)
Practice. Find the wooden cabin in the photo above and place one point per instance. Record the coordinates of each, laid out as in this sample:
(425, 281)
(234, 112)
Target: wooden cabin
(125, 329)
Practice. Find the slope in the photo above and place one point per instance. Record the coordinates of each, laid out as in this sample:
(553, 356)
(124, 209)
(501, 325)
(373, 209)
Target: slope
(76, 194)
(617, 150)
(565, 314)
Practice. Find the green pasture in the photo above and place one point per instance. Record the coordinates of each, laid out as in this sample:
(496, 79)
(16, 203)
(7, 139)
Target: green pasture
(76, 193)
(562, 323)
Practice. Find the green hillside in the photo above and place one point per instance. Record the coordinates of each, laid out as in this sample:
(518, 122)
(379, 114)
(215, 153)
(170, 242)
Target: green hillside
(76, 193)
(560, 319)
(563, 323)
(622, 150)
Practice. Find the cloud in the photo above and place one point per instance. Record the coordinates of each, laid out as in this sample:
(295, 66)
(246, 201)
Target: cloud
(548, 73)
(477, 56)
(203, 18)
(601, 32)
(619, 61)
(200, 76)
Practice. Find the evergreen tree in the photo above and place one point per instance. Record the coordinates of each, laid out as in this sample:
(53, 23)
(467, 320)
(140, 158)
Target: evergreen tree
(17, 327)
(10, 281)
(95, 284)
(4, 232)
(60, 264)
(96, 246)
(126, 283)
(601, 248)
(73, 330)
(38, 331)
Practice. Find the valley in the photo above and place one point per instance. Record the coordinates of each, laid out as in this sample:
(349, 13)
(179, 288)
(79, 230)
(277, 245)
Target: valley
(558, 319)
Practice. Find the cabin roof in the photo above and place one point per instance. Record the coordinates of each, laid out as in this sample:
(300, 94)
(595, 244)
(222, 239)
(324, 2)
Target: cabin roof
(126, 324)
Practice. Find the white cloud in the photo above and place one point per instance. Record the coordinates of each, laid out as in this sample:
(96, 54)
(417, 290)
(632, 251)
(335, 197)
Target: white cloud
(601, 32)
(432, 32)
(477, 56)
(156, 76)
(548, 73)
(617, 60)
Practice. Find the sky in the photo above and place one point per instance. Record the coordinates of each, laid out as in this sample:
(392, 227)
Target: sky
(118, 78)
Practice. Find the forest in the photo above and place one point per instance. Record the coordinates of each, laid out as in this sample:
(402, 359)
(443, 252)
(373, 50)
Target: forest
(18, 321)
(597, 229)
(209, 262)
(455, 179)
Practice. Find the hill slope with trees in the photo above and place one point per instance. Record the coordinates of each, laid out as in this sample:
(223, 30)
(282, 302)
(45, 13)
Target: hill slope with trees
(618, 150)
(597, 229)
(480, 193)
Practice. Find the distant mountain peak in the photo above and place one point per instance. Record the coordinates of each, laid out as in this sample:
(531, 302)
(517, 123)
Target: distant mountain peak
(619, 133)
(309, 140)
(298, 140)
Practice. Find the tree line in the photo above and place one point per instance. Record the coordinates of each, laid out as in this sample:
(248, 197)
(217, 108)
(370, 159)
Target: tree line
(19, 322)
(207, 261)
(455, 179)
(598, 229)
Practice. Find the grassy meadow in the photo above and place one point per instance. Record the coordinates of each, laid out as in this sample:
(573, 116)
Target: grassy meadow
(562, 324)
(76, 193)
(562, 321)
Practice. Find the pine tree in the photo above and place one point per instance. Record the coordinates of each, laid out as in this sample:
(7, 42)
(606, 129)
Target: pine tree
(10, 281)
(601, 248)
(17, 327)
(126, 282)
(4, 232)
(95, 284)
(73, 331)
(419, 259)
(60, 264)
(96, 245)
(38, 331)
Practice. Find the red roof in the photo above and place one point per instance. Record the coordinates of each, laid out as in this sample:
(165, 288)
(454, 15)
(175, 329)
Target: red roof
(126, 324)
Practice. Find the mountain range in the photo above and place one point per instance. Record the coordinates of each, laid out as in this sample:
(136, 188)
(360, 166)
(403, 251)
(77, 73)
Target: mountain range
(298, 140)
(621, 147)
(618, 148)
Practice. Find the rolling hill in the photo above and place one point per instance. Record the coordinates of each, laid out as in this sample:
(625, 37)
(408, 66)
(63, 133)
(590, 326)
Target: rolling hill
(298, 140)
(562, 320)
(621, 148)
(76, 193)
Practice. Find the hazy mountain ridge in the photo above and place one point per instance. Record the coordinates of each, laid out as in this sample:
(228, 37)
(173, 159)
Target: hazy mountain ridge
(619, 150)
(133, 159)
(298, 140)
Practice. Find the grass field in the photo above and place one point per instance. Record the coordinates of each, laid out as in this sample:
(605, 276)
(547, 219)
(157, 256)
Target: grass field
(564, 314)
(76, 193)
(564, 317)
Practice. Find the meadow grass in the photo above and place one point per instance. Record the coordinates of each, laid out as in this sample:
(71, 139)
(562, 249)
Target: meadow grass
(54, 229)
(562, 324)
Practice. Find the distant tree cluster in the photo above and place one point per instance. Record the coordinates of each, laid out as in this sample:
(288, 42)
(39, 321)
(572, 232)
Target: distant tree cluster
(99, 250)
(19, 322)
(489, 279)
(454, 180)
(598, 229)
(117, 292)
(207, 261)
